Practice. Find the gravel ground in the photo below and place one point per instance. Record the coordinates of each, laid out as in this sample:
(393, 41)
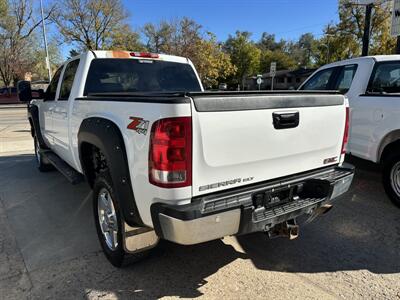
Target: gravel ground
(48, 249)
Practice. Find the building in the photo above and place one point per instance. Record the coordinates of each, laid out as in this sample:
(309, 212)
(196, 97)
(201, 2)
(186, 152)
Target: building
(284, 80)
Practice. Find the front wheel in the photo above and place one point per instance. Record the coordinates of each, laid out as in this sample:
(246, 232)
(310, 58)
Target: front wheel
(391, 179)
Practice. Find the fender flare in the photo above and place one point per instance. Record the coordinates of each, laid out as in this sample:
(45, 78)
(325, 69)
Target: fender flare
(389, 138)
(33, 116)
(105, 135)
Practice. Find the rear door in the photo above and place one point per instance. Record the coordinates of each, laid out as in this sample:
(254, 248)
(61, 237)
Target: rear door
(244, 139)
(375, 111)
(47, 108)
(60, 112)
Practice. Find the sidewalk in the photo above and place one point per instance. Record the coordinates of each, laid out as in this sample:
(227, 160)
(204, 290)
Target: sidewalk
(5, 106)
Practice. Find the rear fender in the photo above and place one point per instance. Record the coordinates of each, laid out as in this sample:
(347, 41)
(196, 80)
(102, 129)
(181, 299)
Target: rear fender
(105, 135)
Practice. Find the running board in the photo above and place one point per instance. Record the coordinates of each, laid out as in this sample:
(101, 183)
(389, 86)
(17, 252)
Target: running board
(72, 176)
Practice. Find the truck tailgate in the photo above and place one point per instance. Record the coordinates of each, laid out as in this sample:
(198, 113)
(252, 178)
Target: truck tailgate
(244, 139)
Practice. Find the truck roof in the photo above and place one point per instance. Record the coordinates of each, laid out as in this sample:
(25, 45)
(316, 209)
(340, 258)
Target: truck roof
(128, 54)
(361, 59)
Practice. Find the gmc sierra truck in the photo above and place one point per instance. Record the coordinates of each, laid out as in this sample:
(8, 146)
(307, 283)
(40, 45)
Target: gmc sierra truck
(167, 160)
(372, 85)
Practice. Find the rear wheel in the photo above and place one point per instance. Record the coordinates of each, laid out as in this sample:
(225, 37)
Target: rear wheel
(108, 220)
(42, 164)
(391, 178)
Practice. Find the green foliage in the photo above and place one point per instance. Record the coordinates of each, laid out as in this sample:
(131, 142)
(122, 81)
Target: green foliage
(186, 38)
(245, 55)
(283, 61)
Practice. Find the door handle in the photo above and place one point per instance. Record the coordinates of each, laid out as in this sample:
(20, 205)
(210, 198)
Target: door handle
(286, 120)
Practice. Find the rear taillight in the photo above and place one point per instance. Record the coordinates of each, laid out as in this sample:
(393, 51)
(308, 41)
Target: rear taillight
(346, 131)
(170, 156)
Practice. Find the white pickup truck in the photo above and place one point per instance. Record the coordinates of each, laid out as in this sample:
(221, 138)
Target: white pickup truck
(167, 160)
(372, 85)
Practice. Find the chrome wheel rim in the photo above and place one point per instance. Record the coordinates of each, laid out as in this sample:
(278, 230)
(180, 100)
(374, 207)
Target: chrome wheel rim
(395, 178)
(37, 152)
(107, 219)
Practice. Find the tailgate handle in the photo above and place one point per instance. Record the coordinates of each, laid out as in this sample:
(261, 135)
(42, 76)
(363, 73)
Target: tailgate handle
(286, 120)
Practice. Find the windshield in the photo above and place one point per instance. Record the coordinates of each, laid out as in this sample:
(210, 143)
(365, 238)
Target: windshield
(132, 75)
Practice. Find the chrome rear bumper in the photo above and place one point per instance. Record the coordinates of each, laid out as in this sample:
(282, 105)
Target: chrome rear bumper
(235, 212)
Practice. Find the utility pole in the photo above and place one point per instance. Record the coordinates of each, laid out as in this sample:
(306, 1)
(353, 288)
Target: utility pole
(45, 41)
(367, 26)
(398, 45)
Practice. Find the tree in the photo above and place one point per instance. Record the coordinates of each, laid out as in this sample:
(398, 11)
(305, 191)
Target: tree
(90, 24)
(268, 42)
(17, 26)
(159, 37)
(244, 55)
(282, 59)
(186, 38)
(126, 39)
(213, 65)
(344, 39)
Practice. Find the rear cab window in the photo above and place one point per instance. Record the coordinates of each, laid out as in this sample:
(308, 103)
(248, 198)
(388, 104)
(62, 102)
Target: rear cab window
(322, 80)
(336, 78)
(345, 78)
(134, 75)
(385, 78)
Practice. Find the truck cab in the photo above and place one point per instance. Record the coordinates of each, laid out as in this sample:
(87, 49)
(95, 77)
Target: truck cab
(372, 85)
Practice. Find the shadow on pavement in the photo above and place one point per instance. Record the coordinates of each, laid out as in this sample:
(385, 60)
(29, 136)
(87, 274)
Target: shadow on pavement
(361, 232)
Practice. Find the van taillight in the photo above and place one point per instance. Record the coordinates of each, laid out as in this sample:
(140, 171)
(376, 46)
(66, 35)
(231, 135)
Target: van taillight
(346, 131)
(170, 155)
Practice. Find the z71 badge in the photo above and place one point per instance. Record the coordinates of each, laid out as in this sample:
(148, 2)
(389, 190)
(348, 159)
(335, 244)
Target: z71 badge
(139, 125)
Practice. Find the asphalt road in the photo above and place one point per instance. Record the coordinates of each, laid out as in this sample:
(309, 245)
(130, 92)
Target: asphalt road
(49, 250)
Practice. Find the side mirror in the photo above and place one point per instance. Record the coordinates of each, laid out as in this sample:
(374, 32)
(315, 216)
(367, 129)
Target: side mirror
(24, 91)
(38, 94)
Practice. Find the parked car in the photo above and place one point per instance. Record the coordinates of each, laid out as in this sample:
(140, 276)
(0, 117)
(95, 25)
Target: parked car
(167, 160)
(372, 85)
(8, 95)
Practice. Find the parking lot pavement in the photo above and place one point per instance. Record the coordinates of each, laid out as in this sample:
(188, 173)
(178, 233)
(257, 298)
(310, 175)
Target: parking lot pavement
(48, 247)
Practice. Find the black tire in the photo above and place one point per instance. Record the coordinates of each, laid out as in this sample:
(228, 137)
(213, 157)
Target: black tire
(391, 178)
(117, 257)
(42, 164)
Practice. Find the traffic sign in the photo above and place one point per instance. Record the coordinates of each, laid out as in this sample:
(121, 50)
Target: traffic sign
(259, 80)
(395, 28)
(272, 70)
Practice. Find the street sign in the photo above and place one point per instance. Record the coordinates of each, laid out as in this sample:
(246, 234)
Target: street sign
(272, 69)
(395, 29)
(259, 81)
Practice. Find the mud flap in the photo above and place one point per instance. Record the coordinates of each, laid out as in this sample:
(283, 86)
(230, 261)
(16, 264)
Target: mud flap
(139, 239)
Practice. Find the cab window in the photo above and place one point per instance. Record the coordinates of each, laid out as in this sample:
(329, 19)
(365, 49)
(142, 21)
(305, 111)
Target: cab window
(320, 81)
(345, 78)
(385, 78)
(52, 88)
(68, 79)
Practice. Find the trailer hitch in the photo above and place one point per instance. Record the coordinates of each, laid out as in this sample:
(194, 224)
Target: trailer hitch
(287, 229)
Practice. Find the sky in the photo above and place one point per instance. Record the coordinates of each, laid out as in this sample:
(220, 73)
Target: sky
(286, 19)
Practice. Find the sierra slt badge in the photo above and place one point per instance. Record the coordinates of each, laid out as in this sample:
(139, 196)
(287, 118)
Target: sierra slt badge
(224, 183)
(139, 125)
